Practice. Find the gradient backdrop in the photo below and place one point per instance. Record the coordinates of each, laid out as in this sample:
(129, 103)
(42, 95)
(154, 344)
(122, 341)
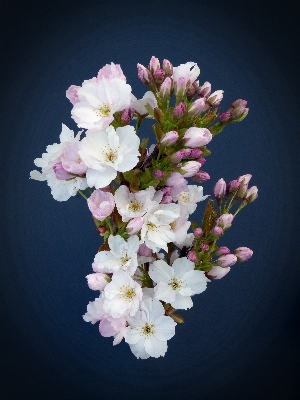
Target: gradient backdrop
(241, 339)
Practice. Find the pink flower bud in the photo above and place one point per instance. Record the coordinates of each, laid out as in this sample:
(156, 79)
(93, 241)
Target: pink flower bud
(232, 187)
(179, 110)
(201, 176)
(196, 137)
(215, 98)
(251, 194)
(218, 231)
(180, 86)
(127, 115)
(158, 174)
(167, 67)
(243, 253)
(205, 90)
(166, 190)
(143, 74)
(190, 92)
(101, 204)
(72, 95)
(144, 251)
(224, 221)
(196, 153)
(170, 137)
(198, 232)
(179, 155)
(97, 281)
(190, 168)
(244, 178)
(154, 64)
(222, 251)
(165, 88)
(159, 76)
(176, 179)
(201, 160)
(217, 272)
(226, 261)
(219, 189)
(61, 173)
(166, 200)
(197, 107)
(224, 117)
(192, 256)
(204, 246)
(242, 191)
(134, 225)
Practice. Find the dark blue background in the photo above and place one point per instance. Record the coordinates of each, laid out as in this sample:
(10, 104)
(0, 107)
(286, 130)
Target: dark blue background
(241, 338)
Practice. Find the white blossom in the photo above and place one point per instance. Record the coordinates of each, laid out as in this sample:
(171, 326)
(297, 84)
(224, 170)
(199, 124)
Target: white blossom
(107, 151)
(191, 197)
(149, 330)
(176, 284)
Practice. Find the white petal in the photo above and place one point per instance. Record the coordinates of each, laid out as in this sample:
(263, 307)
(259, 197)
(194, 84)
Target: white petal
(160, 271)
(164, 328)
(100, 179)
(182, 302)
(132, 336)
(164, 292)
(155, 347)
(138, 349)
(182, 266)
(152, 309)
(196, 280)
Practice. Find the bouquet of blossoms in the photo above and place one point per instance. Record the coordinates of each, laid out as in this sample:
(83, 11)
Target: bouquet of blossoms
(149, 264)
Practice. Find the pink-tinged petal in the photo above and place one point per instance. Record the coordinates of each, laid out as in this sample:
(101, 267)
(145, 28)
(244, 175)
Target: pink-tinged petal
(196, 280)
(160, 271)
(118, 338)
(182, 302)
(138, 349)
(97, 281)
(106, 329)
(102, 178)
(72, 95)
(164, 292)
(155, 347)
(182, 265)
(164, 328)
(89, 92)
(217, 272)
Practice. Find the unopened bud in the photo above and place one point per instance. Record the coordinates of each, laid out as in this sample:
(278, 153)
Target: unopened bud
(196, 153)
(190, 92)
(158, 114)
(127, 115)
(204, 90)
(251, 194)
(225, 221)
(218, 231)
(224, 117)
(158, 174)
(143, 74)
(154, 64)
(134, 225)
(179, 110)
(180, 86)
(201, 176)
(167, 67)
(226, 261)
(197, 107)
(166, 88)
(190, 168)
(222, 251)
(232, 187)
(243, 253)
(204, 246)
(170, 137)
(244, 178)
(192, 256)
(198, 232)
(242, 191)
(217, 272)
(215, 98)
(159, 76)
(219, 189)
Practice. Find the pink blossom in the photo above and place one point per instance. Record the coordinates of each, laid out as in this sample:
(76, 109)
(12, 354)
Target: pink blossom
(196, 137)
(243, 253)
(71, 160)
(110, 326)
(61, 173)
(72, 95)
(97, 281)
(198, 232)
(134, 225)
(217, 272)
(144, 251)
(101, 204)
(176, 179)
(111, 71)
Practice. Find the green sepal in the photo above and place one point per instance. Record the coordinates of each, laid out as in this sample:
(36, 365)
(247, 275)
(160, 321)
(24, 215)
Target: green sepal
(205, 151)
(150, 110)
(194, 225)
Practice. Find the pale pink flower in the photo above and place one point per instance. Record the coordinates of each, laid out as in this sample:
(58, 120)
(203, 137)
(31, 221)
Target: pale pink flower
(110, 326)
(71, 160)
(190, 197)
(111, 71)
(139, 105)
(134, 225)
(101, 204)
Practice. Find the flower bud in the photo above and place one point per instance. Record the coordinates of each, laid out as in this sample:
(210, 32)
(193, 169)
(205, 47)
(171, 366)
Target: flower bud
(251, 194)
(176, 179)
(224, 221)
(190, 92)
(127, 115)
(144, 74)
(204, 246)
(134, 225)
(198, 232)
(232, 187)
(158, 174)
(97, 281)
(243, 253)
(144, 251)
(215, 98)
(170, 137)
(244, 178)
(197, 107)
(179, 110)
(196, 137)
(217, 272)
(219, 189)
(190, 168)
(159, 76)
(154, 64)
(192, 256)
(222, 251)
(166, 200)
(224, 117)
(196, 153)
(226, 261)
(167, 67)
(242, 191)
(201, 176)
(201, 160)
(179, 155)
(180, 86)
(218, 231)
(166, 88)
(204, 90)
(61, 173)
(102, 230)
(101, 204)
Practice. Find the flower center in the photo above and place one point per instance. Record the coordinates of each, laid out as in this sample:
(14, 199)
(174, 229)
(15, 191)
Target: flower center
(175, 284)
(147, 330)
(184, 197)
(135, 206)
(125, 259)
(103, 111)
(111, 155)
(128, 293)
(151, 226)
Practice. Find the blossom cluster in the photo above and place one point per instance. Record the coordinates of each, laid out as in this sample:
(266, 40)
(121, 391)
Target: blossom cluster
(153, 259)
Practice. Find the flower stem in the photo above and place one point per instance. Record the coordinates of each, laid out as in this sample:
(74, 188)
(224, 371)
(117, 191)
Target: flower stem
(82, 194)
